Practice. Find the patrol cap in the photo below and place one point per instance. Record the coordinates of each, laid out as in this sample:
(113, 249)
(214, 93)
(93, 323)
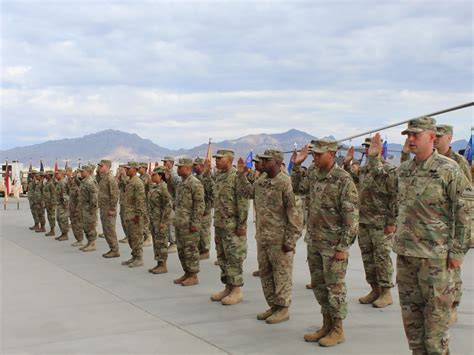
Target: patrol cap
(49, 172)
(421, 124)
(61, 171)
(272, 154)
(224, 153)
(33, 171)
(159, 170)
(257, 159)
(40, 173)
(143, 165)
(199, 160)
(185, 162)
(105, 162)
(444, 129)
(168, 158)
(90, 168)
(131, 164)
(368, 142)
(323, 145)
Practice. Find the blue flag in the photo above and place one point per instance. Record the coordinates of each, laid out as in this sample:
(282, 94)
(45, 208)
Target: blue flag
(468, 151)
(385, 150)
(290, 167)
(249, 160)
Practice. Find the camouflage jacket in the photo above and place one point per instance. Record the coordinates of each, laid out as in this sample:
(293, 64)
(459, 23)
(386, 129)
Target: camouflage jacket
(72, 189)
(31, 190)
(279, 220)
(122, 184)
(333, 214)
(208, 183)
(62, 197)
(433, 217)
(378, 204)
(108, 192)
(230, 206)
(146, 180)
(159, 204)
(172, 184)
(49, 193)
(189, 206)
(38, 192)
(88, 198)
(134, 198)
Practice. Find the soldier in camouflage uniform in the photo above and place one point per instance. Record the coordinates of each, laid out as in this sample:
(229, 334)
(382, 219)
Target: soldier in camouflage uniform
(377, 217)
(172, 181)
(31, 192)
(189, 210)
(49, 198)
(279, 225)
(333, 219)
(159, 208)
(122, 180)
(203, 174)
(89, 204)
(253, 176)
(432, 223)
(72, 187)
(230, 229)
(39, 203)
(145, 178)
(108, 198)
(62, 205)
(134, 212)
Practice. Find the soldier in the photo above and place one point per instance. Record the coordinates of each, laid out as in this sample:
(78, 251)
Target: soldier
(39, 202)
(172, 181)
(72, 187)
(189, 210)
(432, 223)
(30, 194)
(89, 203)
(203, 174)
(108, 198)
(134, 211)
(49, 197)
(230, 229)
(145, 178)
(377, 217)
(279, 225)
(122, 180)
(252, 177)
(333, 219)
(62, 205)
(160, 208)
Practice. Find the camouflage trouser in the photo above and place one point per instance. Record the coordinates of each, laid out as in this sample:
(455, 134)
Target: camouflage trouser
(328, 277)
(89, 224)
(122, 218)
(172, 231)
(188, 249)
(160, 241)
(62, 215)
(275, 269)
(231, 253)
(425, 288)
(205, 233)
(51, 210)
(375, 247)
(108, 227)
(75, 216)
(34, 212)
(134, 233)
(146, 226)
(39, 207)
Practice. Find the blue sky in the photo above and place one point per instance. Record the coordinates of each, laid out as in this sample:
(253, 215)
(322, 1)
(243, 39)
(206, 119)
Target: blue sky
(179, 72)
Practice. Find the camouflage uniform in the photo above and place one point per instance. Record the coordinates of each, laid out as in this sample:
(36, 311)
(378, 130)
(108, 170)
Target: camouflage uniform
(75, 215)
(172, 184)
(205, 228)
(134, 205)
(62, 209)
(277, 212)
(160, 208)
(108, 198)
(38, 201)
(122, 184)
(31, 193)
(333, 219)
(145, 179)
(49, 198)
(230, 214)
(432, 223)
(189, 210)
(89, 203)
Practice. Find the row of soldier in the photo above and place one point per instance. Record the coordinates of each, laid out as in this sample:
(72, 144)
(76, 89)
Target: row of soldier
(420, 209)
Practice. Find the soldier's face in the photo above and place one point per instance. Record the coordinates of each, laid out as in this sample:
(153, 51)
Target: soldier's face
(198, 168)
(131, 172)
(168, 164)
(323, 160)
(224, 162)
(156, 178)
(259, 166)
(184, 170)
(442, 142)
(421, 142)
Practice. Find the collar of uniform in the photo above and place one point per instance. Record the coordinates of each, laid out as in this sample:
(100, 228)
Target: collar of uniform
(451, 153)
(321, 174)
(425, 165)
(272, 181)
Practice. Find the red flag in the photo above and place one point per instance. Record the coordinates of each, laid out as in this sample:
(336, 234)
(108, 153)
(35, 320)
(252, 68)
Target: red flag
(7, 181)
(56, 167)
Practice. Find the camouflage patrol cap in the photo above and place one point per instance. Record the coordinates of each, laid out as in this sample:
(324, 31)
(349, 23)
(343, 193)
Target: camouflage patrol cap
(40, 173)
(444, 129)
(199, 160)
(272, 154)
(257, 159)
(61, 171)
(324, 145)
(49, 172)
(90, 168)
(185, 162)
(421, 124)
(142, 164)
(32, 172)
(368, 142)
(224, 153)
(158, 170)
(168, 158)
(105, 162)
(131, 164)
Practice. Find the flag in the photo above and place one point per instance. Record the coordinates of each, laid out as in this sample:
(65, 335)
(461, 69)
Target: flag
(385, 150)
(41, 166)
(30, 169)
(67, 165)
(149, 166)
(7, 181)
(56, 167)
(209, 151)
(290, 166)
(468, 151)
(249, 160)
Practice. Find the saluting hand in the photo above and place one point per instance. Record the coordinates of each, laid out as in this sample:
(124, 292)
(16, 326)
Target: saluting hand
(350, 155)
(241, 167)
(375, 146)
(301, 155)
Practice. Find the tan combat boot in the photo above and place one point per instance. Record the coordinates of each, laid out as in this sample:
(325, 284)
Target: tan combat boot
(160, 268)
(309, 286)
(101, 235)
(51, 233)
(371, 296)
(126, 262)
(180, 279)
(234, 297)
(256, 273)
(137, 262)
(385, 298)
(204, 256)
(147, 242)
(111, 254)
(335, 336)
(84, 246)
(41, 229)
(191, 280)
(35, 227)
(172, 248)
(218, 296)
(62, 237)
(321, 333)
(216, 262)
(124, 240)
(158, 263)
(90, 247)
(266, 314)
(280, 315)
(453, 317)
(77, 244)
